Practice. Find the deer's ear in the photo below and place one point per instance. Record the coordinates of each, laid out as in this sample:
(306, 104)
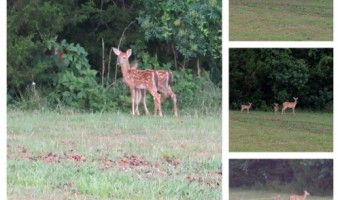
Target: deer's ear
(128, 52)
(116, 51)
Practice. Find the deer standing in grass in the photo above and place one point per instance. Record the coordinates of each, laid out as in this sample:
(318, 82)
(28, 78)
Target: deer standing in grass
(138, 80)
(291, 105)
(299, 197)
(276, 107)
(246, 107)
(164, 86)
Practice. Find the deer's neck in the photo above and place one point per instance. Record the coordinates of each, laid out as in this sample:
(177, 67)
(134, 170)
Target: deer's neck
(125, 67)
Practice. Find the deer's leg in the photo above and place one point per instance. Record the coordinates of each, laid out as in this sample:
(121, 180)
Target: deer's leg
(132, 91)
(137, 100)
(155, 106)
(157, 102)
(174, 101)
(143, 93)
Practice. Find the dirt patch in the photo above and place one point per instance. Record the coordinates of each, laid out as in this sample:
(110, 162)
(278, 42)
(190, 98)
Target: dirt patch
(164, 167)
(47, 158)
(212, 179)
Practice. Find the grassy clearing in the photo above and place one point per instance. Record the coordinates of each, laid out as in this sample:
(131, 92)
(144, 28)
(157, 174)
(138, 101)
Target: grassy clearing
(264, 131)
(113, 156)
(245, 194)
(290, 20)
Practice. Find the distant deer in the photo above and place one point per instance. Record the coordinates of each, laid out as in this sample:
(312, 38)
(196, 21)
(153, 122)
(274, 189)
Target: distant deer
(291, 105)
(138, 80)
(246, 107)
(276, 107)
(164, 86)
(277, 197)
(299, 197)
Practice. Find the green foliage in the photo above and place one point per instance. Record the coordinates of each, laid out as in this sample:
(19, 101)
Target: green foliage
(186, 32)
(186, 24)
(197, 93)
(266, 76)
(76, 85)
(316, 175)
(30, 26)
(73, 82)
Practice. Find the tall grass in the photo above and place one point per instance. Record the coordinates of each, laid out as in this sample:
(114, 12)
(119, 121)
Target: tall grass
(281, 20)
(54, 155)
(264, 131)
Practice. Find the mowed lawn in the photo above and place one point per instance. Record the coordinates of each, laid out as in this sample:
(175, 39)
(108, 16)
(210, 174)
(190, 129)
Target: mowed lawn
(113, 156)
(266, 132)
(289, 20)
(246, 194)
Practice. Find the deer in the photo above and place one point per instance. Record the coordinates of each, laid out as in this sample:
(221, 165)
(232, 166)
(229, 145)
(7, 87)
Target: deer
(291, 105)
(299, 197)
(138, 80)
(246, 107)
(139, 95)
(276, 107)
(165, 78)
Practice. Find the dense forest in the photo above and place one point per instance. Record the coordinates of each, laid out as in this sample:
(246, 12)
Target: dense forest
(266, 76)
(288, 175)
(59, 52)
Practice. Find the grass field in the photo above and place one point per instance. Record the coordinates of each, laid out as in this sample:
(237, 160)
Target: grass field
(289, 20)
(266, 132)
(246, 194)
(113, 156)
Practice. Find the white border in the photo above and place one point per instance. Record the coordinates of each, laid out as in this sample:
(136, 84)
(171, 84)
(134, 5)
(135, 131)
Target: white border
(225, 99)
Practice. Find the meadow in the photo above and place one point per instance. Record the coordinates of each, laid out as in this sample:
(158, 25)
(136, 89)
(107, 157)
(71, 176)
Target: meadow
(289, 20)
(52, 155)
(267, 132)
(245, 194)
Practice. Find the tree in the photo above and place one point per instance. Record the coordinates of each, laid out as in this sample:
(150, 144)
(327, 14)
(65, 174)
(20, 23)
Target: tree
(265, 76)
(190, 30)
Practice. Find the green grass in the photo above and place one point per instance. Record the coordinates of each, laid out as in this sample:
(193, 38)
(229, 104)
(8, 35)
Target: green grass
(113, 156)
(266, 132)
(289, 20)
(245, 194)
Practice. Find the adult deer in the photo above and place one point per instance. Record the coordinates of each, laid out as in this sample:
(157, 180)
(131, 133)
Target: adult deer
(291, 105)
(246, 107)
(299, 197)
(276, 107)
(164, 86)
(138, 80)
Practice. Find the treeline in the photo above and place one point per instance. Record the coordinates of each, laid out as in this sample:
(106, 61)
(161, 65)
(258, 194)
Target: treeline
(64, 47)
(288, 175)
(266, 76)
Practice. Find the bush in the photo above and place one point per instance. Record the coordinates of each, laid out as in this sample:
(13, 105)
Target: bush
(197, 94)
